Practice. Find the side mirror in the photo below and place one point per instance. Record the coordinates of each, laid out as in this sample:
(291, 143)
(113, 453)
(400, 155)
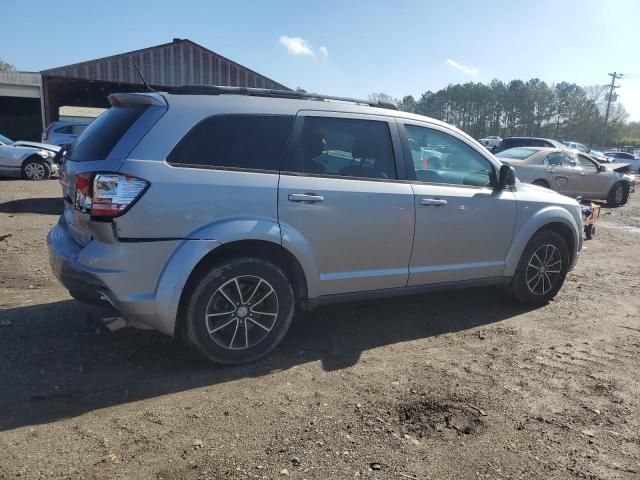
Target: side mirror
(507, 176)
(602, 168)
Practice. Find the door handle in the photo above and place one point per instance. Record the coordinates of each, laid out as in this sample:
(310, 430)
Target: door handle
(582, 174)
(433, 202)
(305, 197)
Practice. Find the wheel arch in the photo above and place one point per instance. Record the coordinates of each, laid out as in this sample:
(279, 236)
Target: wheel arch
(263, 249)
(554, 219)
(32, 156)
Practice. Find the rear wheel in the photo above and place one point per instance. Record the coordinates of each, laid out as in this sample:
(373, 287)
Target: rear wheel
(240, 311)
(618, 195)
(36, 169)
(542, 269)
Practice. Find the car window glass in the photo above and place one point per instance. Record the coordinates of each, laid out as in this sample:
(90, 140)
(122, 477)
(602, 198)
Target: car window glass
(517, 153)
(347, 147)
(64, 130)
(587, 165)
(442, 158)
(99, 138)
(555, 159)
(235, 141)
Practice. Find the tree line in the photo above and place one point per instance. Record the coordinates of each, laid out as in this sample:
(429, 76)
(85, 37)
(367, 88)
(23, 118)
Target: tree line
(563, 111)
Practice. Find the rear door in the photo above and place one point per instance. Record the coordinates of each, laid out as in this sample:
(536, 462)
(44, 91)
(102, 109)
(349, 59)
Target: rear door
(343, 193)
(563, 177)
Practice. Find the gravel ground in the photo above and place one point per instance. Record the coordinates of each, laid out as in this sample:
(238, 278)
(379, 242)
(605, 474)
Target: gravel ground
(459, 385)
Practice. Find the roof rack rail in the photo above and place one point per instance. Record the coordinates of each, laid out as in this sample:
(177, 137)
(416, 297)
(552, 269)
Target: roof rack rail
(267, 92)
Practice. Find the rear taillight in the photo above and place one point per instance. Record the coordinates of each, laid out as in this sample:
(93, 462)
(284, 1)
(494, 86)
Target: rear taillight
(107, 195)
(45, 135)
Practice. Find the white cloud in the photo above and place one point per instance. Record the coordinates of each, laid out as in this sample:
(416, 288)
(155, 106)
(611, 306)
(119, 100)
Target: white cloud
(473, 71)
(297, 46)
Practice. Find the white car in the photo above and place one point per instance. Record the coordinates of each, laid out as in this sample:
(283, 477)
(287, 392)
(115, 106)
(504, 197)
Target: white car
(624, 157)
(579, 147)
(490, 143)
(30, 160)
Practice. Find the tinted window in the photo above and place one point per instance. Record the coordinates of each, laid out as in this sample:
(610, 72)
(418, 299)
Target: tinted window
(99, 138)
(64, 130)
(441, 158)
(235, 141)
(587, 164)
(346, 147)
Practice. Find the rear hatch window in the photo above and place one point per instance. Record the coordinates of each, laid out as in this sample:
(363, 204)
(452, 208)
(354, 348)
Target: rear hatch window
(99, 138)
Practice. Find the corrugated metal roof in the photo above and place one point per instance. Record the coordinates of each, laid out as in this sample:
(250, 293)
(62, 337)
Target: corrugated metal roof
(180, 62)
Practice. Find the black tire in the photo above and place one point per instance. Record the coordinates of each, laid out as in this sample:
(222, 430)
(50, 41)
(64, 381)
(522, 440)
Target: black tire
(216, 290)
(32, 165)
(525, 276)
(618, 195)
(589, 231)
(542, 183)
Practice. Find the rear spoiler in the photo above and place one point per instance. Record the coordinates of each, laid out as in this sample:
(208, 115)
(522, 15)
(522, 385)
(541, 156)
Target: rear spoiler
(120, 99)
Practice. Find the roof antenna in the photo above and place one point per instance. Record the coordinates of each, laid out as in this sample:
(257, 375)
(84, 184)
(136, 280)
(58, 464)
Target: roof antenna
(141, 77)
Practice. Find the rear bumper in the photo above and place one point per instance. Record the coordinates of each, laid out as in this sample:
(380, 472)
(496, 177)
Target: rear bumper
(142, 280)
(128, 284)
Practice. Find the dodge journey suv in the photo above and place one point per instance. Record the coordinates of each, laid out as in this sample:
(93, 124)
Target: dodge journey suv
(211, 213)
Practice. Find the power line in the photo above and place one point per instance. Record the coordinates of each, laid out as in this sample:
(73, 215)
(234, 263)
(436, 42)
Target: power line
(614, 76)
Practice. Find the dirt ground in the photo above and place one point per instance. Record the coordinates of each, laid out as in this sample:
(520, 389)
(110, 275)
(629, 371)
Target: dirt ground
(457, 385)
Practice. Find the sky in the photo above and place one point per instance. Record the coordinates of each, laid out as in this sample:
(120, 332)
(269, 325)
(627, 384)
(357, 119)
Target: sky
(350, 47)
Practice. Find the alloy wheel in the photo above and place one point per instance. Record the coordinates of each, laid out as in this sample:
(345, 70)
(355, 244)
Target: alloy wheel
(543, 270)
(619, 195)
(241, 312)
(34, 171)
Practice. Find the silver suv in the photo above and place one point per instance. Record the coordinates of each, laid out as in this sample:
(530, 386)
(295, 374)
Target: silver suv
(211, 213)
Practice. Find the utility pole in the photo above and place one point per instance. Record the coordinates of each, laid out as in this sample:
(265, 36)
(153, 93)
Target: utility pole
(614, 76)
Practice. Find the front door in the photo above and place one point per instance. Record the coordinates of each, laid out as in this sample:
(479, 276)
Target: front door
(593, 183)
(340, 195)
(464, 226)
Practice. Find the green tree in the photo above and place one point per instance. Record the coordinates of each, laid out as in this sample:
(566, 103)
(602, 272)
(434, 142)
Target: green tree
(5, 67)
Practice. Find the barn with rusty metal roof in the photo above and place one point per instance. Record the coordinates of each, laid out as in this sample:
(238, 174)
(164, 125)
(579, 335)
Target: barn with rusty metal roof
(181, 62)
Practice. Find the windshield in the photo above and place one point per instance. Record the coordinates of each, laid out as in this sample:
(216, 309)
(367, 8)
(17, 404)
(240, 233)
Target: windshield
(5, 140)
(517, 153)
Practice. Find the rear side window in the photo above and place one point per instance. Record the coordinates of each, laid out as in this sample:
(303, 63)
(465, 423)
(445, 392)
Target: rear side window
(64, 130)
(347, 147)
(99, 138)
(235, 141)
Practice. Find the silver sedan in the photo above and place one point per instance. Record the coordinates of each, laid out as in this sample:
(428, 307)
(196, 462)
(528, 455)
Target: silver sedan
(571, 173)
(30, 160)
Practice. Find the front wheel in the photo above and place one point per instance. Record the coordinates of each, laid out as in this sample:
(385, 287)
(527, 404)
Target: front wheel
(240, 311)
(542, 269)
(618, 195)
(35, 169)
